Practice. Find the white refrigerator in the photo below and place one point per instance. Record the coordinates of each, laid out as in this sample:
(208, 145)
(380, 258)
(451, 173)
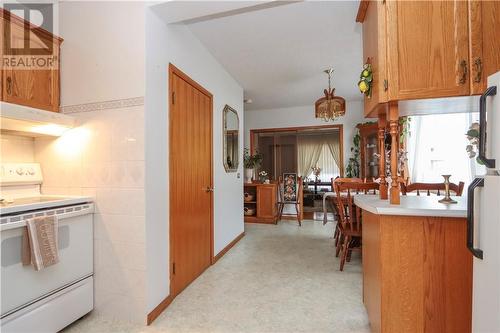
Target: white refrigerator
(483, 216)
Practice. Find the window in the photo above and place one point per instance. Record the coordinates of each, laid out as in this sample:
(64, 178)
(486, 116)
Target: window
(436, 146)
(329, 168)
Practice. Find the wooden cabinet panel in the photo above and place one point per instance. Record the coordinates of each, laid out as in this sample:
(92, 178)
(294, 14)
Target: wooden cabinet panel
(427, 49)
(484, 18)
(28, 84)
(265, 204)
(417, 274)
(266, 196)
(371, 269)
(374, 51)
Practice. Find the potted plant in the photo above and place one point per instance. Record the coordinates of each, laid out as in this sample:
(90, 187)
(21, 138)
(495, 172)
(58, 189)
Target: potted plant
(251, 162)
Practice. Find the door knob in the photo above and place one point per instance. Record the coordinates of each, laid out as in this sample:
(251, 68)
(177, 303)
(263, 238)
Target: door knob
(209, 189)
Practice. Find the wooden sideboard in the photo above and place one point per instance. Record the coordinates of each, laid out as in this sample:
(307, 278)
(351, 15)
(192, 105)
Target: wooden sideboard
(264, 203)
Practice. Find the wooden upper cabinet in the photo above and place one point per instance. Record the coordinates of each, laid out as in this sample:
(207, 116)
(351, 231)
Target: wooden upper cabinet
(484, 41)
(427, 49)
(374, 52)
(30, 85)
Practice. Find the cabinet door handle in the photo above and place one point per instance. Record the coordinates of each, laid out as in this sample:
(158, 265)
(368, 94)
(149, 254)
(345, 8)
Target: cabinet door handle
(9, 85)
(479, 70)
(463, 66)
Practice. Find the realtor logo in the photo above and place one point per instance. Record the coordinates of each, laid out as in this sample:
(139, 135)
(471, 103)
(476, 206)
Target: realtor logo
(25, 27)
(29, 40)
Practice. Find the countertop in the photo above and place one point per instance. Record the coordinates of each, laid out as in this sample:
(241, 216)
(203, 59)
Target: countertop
(413, 206)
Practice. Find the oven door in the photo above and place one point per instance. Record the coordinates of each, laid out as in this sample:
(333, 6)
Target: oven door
(22, 285)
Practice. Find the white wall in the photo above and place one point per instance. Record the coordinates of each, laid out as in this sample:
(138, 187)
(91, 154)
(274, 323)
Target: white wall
(304, 116)
(176, 44)
(103, 50)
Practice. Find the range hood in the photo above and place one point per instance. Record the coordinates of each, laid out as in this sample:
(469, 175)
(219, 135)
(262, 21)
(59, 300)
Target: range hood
(27, 121)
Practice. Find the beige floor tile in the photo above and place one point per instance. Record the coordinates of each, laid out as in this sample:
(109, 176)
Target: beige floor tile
(278, 279)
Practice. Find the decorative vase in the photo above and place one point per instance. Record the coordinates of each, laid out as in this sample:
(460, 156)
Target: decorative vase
(447, 199)
(248, 175)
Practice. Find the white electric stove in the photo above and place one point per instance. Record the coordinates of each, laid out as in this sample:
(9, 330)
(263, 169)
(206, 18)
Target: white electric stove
(54, 297)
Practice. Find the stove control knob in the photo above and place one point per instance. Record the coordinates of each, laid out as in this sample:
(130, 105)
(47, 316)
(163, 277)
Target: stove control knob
(31, 171)
(20, 171)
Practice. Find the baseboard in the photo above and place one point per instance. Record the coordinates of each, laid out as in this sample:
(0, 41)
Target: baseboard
(159, 309)
(228, 247)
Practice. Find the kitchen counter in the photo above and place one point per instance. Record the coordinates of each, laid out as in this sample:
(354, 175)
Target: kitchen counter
(413, 205)
(417, 270)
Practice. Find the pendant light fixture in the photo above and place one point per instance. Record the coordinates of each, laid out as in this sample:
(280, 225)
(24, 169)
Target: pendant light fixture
(330, 107)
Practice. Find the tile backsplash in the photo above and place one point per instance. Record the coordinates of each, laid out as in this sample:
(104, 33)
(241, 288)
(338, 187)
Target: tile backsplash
(16, 148)
(104, 158)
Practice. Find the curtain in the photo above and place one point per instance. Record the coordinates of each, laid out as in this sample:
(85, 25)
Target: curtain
(329, 167)
(332, 141)
(309, 150)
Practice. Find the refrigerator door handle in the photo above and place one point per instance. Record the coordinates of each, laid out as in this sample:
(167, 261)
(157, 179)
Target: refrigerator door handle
(478, 182)
(489, 163)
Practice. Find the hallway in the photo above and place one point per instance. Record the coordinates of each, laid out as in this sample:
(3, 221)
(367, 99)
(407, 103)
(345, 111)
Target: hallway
(276, 279)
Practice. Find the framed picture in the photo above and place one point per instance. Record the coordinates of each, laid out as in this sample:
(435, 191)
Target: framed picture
(289, 187)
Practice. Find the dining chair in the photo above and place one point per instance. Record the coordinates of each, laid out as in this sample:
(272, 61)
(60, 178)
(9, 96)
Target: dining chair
(434, 187)
(336, 234)
(289, 194)
(350, 217)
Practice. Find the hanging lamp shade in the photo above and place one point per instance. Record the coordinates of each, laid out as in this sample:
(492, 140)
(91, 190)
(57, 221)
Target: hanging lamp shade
(330, 107)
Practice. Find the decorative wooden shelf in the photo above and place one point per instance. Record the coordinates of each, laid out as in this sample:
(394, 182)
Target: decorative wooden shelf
(266, 199)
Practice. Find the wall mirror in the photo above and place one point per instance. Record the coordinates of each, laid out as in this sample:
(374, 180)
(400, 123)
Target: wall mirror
(231, 139)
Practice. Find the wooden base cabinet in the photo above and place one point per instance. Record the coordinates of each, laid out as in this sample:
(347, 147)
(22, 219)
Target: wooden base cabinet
(263, 204)
(417, 274)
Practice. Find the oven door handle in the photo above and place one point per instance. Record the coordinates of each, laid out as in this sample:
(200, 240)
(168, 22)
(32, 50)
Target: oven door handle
(478, 182)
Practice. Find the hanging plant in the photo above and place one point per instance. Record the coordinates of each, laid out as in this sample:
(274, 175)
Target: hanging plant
(473, 147)
(365, 80)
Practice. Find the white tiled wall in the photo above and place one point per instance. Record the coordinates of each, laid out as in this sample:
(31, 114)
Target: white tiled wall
(104, 158)
(14, 148)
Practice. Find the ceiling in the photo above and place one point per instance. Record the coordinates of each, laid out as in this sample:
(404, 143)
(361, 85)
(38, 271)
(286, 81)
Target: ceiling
(278, 54)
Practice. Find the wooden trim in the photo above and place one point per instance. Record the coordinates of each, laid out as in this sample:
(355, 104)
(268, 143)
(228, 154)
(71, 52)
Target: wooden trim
(228, 247)
(174, 70)
(363, 7)
(340, 127)
(159, 309)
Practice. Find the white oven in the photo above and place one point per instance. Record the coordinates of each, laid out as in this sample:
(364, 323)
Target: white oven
(52, 298)
(22, 286)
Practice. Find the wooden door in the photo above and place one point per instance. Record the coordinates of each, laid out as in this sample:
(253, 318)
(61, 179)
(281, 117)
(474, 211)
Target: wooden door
(427, 49)
(191, 231)
(484, 18)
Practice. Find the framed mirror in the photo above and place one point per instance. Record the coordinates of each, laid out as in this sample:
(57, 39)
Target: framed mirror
(231, 135)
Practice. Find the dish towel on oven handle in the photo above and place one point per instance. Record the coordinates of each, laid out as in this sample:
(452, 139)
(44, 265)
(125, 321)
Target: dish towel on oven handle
(39, 244)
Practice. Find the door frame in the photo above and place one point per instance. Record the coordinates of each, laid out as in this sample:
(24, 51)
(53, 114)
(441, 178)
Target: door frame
(171, 71)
